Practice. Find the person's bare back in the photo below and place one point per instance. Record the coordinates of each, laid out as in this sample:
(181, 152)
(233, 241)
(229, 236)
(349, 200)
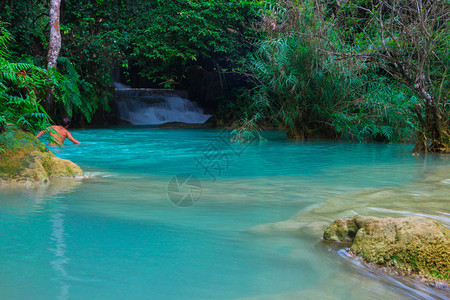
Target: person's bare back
(58, 134)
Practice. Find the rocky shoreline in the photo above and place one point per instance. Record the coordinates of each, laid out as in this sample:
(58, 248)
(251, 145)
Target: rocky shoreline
(415, 246)
(24, 160)
(419, 204)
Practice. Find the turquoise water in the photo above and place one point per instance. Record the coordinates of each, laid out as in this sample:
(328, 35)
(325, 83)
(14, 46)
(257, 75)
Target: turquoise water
(116, 234)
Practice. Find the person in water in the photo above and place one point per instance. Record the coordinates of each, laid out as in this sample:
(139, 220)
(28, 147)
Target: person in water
(59, 133)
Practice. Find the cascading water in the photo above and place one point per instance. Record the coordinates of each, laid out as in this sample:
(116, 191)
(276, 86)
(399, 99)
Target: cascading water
(155, 107)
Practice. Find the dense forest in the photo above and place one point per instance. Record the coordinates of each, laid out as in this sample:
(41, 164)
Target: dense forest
(364, 70)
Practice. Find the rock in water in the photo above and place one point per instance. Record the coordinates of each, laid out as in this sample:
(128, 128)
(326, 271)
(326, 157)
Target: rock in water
(24, 159)
(412, 245)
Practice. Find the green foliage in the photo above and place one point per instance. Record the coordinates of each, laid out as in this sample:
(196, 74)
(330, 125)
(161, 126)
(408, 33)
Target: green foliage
(407, 40)
(247, 130)
(173, 39)
(21, 87)
(76, 94)
(170, 43)
(88, 51)
(379, 111)
(300, 87)
(27, 21)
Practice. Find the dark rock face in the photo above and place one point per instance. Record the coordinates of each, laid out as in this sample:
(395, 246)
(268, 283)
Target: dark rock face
(411, 245)
(24, 160)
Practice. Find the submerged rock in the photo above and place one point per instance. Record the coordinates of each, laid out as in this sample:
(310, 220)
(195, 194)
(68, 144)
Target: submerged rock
(410, 245)
(24, 159)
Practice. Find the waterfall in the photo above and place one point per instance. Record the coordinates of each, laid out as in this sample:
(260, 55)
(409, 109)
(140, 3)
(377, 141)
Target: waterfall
(154, 107)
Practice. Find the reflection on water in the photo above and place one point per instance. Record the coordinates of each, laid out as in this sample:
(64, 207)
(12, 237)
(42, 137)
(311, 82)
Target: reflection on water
(27, 199)
(254, 233)
(59, 250)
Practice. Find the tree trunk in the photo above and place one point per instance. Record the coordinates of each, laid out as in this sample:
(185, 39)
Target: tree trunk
(435, 133)
(54, 47)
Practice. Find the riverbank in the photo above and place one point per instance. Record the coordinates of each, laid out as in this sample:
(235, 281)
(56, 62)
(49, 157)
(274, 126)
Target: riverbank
(411, 246)
(26, 160)
(428, 198)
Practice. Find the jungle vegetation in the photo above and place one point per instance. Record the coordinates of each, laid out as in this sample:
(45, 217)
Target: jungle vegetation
(363, 70)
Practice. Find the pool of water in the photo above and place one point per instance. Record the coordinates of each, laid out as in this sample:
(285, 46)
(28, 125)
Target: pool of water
(252, 232)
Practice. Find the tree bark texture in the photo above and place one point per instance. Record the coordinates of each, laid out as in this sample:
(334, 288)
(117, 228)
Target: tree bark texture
(54, 46)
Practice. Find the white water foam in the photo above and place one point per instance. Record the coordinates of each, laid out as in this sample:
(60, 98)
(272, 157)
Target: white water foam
(169, 109)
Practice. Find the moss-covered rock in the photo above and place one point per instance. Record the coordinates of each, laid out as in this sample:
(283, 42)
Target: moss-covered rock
(411, 245)
(24, 159)
(342, 230)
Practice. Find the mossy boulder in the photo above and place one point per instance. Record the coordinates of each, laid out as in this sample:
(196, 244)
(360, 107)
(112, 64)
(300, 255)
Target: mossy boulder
(25, 159)
(342, 230)
(412, 245)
